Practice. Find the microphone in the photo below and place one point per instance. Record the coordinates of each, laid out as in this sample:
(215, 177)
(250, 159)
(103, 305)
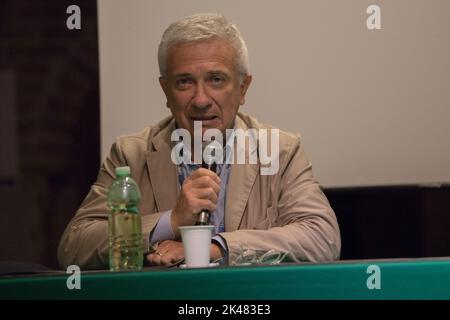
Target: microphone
(210, 164)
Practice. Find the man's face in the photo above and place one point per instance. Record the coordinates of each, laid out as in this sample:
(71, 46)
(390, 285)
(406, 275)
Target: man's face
(202, 84)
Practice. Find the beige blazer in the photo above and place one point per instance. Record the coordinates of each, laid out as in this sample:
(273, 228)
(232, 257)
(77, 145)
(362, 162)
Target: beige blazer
(286, 211)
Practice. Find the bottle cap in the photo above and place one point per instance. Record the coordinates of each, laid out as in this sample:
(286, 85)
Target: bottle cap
(123, 171)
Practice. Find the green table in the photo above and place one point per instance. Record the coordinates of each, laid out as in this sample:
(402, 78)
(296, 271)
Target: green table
(398, 279)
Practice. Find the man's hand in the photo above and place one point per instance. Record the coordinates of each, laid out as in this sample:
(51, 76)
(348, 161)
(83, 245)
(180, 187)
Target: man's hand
(199, 191)
(167, 253)
(170, 252)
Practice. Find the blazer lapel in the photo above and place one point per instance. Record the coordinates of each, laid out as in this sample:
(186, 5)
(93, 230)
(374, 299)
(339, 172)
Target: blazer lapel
(242, 178)
(162, 171)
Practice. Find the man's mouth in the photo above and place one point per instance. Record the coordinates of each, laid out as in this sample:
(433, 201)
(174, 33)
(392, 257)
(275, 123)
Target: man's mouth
(209, 121)
(203, 118)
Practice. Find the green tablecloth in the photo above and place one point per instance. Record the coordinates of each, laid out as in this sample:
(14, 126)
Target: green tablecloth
(399, 279)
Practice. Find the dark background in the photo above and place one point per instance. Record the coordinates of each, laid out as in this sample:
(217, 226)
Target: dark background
(58, 141)
(393, 222)
(57, 113)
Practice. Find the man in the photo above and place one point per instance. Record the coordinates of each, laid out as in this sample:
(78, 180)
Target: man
(205, 75)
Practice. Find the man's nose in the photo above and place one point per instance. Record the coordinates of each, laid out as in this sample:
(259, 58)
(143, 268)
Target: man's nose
(201, 98)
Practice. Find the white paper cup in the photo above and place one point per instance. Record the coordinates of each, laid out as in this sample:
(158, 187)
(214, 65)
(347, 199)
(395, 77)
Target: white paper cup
(197, 245)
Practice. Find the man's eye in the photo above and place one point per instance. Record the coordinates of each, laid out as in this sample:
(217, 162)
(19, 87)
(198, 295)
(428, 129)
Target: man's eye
(217, 80)
(183, 82)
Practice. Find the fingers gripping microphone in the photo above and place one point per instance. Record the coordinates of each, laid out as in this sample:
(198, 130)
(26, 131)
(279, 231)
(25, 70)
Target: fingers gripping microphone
(210, 164)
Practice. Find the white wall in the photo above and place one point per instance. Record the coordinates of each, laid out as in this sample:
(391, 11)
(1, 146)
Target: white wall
(373, 107)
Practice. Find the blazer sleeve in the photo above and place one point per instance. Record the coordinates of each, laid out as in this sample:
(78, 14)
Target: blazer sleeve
(305, 224)
(85, 239)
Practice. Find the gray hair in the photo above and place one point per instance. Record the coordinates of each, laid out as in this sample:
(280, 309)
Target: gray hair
(202, 27)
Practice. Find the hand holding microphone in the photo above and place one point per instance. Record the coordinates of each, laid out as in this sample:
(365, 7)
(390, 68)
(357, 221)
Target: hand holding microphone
(199, 192)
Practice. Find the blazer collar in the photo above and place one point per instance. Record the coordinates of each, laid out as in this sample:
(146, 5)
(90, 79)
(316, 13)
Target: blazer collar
(162, 171)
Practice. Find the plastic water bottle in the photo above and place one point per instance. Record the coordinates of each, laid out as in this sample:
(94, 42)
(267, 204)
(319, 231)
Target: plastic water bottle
(125, 234)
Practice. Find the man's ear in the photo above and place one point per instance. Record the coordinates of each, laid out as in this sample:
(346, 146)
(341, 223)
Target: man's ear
(244, 87)
(164, 86)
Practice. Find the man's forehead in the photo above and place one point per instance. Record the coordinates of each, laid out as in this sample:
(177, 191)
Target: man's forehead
(202, 50)
(216, 56)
